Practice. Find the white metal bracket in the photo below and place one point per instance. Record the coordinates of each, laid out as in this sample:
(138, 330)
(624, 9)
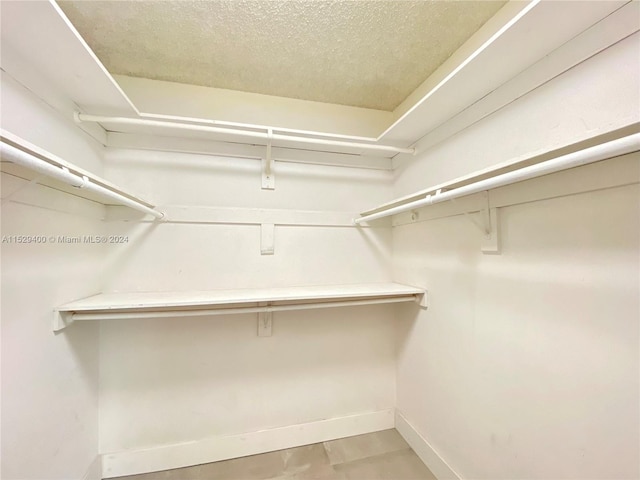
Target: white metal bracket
(265, 323)
(488, 226)
(267, 238)
(423, 300)
(61, 320)
(268, 179)
(491, 240)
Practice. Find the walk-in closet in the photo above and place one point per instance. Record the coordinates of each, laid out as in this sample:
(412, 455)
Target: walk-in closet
(320, 240)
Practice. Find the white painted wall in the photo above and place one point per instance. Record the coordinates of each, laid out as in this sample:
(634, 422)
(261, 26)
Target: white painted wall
(192, 101)
(169, 178)
(174, 380)
(187, 379)
(526, 365)
(49, 382)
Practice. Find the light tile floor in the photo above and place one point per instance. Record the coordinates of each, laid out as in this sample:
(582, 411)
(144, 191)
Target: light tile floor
(374, 456)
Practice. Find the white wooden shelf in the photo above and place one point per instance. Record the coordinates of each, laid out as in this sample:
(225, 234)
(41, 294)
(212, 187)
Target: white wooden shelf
(112, 306)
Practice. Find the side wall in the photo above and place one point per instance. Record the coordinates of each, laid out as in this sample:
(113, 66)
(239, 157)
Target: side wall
(176, 380)
(49, 382)
(526, 364)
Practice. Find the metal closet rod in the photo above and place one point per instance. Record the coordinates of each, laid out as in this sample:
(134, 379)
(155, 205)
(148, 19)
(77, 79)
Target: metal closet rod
(82, 117)
(20, 157)
(603, 151)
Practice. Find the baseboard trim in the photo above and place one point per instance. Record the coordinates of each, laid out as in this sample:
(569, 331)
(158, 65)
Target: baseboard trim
(441, 469)
(94, 472)
(132, 462)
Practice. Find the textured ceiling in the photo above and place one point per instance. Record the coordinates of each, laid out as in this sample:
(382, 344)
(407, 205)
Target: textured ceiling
(362, 53)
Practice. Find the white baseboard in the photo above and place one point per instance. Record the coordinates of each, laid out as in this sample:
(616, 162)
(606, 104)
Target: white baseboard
(424, 450)
(214, 449)
(94, 472)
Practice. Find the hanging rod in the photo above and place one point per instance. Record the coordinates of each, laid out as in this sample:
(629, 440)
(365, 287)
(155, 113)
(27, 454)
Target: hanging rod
(82, 117)
(614, 148)
(22, 158)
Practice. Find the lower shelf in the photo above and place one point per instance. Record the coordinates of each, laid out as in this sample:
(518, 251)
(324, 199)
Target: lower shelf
(112, 306)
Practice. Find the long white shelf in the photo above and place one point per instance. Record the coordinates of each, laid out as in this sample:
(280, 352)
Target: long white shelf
(112, 306)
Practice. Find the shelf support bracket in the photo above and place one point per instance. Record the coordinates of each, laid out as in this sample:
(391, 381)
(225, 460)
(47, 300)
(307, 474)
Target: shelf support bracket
(484, 224)
(61, 320)
(423, 300)
(265, 323)
(491, 240)
(488, 225)
(268, 179)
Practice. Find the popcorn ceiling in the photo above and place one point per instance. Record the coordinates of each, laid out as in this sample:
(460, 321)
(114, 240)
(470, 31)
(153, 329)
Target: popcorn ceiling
(364, 53)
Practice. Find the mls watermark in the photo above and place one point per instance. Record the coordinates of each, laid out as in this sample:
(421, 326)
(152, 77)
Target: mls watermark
(64, 239)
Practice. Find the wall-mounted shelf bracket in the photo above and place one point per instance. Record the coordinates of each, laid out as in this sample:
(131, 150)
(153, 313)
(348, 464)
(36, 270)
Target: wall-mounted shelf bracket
(423, 300)
(484, 223)
(268, 179)
(488, 226)
(491, 231)
(61, 320)
(491, 240)
(265, 323)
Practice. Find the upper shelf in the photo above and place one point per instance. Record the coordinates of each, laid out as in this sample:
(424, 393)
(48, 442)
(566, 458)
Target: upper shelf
(519, 36)
(505, 48)
(40, 34)
(93, 187)
(108, 306)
